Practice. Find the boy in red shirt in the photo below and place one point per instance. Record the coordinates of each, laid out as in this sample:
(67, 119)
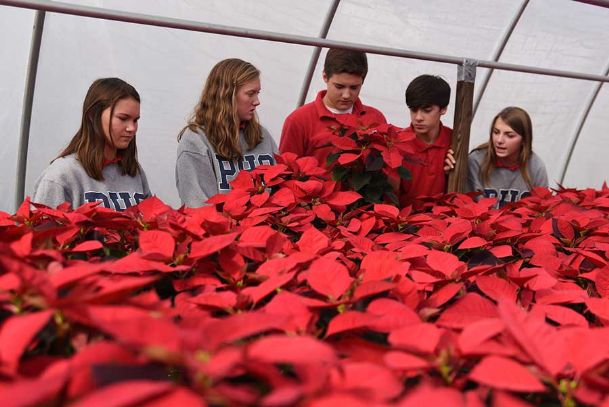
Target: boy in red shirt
(305, 129)
(427, 97)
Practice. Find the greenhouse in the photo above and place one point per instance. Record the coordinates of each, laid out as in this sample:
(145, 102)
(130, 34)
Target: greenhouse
(302, 284)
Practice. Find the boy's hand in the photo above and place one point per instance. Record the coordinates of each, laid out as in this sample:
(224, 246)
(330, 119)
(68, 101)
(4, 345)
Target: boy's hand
(449, 161)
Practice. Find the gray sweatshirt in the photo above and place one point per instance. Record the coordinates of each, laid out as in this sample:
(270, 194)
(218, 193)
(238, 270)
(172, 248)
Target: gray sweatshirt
(505, 184)
(66, 180)
(201, 173)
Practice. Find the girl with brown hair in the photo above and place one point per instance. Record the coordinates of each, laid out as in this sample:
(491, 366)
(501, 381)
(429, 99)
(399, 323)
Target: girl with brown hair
(100, 162)
(506, 167)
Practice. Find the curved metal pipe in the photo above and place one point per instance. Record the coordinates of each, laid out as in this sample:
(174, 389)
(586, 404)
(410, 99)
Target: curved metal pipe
(497, 54)
(157, 21)
(580, 126)
(28, 100)
(306, 84)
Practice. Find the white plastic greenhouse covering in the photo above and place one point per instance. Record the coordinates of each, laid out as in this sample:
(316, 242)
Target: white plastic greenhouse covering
(168, 67)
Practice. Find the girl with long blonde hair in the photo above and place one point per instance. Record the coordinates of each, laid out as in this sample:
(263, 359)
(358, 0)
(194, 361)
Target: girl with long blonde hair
(223, 135)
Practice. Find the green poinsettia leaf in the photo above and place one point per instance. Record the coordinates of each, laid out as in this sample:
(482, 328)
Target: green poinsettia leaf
(393, 197)
(338, 173)
(374, 163)
(331, 158)
(360, 180)
(404, 173)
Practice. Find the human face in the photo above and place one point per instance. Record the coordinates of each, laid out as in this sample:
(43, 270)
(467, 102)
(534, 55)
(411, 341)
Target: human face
(120, 129)
(247, 99)
(426, 121)
(506, 142)
(342, 90)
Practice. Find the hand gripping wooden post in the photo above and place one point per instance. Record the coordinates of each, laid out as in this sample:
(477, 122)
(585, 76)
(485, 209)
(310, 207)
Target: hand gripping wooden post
(466, 77)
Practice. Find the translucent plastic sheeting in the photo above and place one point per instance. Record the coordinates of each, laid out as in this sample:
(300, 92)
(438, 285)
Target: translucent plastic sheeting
(590, 166)
(470, 29)
(557, 34)
(554, 118)
(15, 36)
(554, 34)
(168, 67)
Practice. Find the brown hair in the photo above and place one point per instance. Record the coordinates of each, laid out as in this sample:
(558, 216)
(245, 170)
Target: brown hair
(216, 111)
(89, 141)
(520, 121)
(345, 61)
(427, 90)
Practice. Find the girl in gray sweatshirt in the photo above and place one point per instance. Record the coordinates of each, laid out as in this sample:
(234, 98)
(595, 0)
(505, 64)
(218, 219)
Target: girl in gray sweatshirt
(223, 136)
(100, 162)
(506, 167)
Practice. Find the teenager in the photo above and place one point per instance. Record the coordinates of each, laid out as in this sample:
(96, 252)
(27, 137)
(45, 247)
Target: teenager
(223, 135)
(506, 167)
(100, 163)
(305, 129)
(427, 98)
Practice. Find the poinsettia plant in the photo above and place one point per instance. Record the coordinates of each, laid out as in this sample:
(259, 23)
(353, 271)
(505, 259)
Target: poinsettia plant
(370, 159)
(283, 293)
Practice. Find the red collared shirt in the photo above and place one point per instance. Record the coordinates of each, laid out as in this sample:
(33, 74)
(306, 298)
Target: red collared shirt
(427, 177)
(305, 129)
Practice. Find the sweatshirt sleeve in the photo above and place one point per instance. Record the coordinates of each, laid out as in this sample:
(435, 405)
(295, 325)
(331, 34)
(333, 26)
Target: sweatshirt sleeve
(145, 185)
(274, 148)
(540, 176)
(51, 193)
(195, 178)
(474, 183)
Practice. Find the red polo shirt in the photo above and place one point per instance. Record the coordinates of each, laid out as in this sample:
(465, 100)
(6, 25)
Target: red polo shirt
(305, 129)
(427, 177)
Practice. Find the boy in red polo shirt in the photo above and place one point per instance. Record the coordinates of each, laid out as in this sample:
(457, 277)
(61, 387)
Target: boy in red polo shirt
(427, 97)
(304, 130)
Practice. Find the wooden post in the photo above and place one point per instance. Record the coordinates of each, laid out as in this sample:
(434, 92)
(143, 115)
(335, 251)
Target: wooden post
(466, 76)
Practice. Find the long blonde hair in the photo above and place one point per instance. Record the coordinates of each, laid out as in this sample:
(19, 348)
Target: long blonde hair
(520, 121)
(216, 111)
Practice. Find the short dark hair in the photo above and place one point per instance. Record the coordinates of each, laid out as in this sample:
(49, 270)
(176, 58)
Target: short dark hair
(345, 61)
(427, 90)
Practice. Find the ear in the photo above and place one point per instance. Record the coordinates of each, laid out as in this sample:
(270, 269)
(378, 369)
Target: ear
(443, 111)
(324, 77)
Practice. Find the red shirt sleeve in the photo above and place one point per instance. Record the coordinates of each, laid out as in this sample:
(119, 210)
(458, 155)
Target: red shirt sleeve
(292, 137)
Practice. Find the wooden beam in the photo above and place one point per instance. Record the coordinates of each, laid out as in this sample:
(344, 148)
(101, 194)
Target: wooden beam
(464, 98)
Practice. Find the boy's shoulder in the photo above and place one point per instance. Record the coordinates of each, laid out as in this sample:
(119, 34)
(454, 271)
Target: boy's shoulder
(370, 110)
(303, 111)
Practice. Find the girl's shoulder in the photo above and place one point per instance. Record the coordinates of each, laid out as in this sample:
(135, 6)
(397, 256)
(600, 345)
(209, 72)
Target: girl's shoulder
(266, 135)
(193, 141)
(477, 154)
(63, 165)
(64, 170)
(536, 162)
(535, 158)
(268, 142)
(264, 130)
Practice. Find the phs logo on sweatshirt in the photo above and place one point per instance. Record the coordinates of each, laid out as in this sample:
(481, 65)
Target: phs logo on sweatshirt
(118, 201)
(505, 196)
(228, 169)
